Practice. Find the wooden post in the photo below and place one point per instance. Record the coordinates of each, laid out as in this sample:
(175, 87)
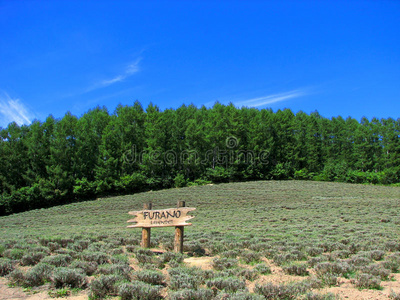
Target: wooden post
(178, 244)
(146, 230)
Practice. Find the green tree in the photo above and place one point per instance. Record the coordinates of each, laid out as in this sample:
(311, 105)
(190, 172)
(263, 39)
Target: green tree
(62, 168)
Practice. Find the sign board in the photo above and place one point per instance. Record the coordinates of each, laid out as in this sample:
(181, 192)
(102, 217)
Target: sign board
(161, 218)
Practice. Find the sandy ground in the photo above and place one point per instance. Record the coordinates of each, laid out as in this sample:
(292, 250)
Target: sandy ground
(17, 293)
(345, 290)
(200, 262)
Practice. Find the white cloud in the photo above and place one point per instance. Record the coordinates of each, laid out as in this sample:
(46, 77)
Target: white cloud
(129, 71)
(274, 98)
(13, 110)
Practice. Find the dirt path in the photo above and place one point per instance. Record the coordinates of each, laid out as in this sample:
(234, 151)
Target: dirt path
(17, 293)
(346, 290)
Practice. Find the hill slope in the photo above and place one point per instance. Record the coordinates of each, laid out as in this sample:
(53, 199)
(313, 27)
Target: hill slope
(269, 238)
(290, 210)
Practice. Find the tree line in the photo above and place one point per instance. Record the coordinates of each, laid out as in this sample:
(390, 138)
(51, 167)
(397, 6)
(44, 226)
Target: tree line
(134, 149)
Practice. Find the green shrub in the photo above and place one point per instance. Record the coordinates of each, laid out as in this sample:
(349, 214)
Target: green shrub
(60, 293)
(224, 263)
(184, 281)
(97, 257)
(216, 248)
(313, 296)
(296, 269)
(189, 294)
(392, 246)
(2, 249)
(392, 262)
(259, 246)
(89, 267)
(218, 174)
(64, 242)
(99, 246)
(6, 267)
(84, 189)
(284, 258)
(69, 252)
(359, 261)
(314, 251)
(226, 273)
(340, 254)
(138, 290)
(119, 259)
(368, 281)
(14, 253)
(38, 275)
(38, 248)
(116, 252)
(167, 257)
(144, 256)
(53, 246)
(132, 183)
(16, 277)
(230, 254)
(188, 276)
(241, 295)
(228, 284)
(173, 264)
(123, 270)
(377, 254)
(334, 268)
(248, 274)
(150, 276)
(144, 251)
(44, 241)
(180, 181)
(355, 247)
(312, 262)
(103, 286)
(377, 270)
(263, 269)
(31, 259)
(66, 277)
(79, 245)
(194, 248)
(250, 257)
(282, 291)
(328, 279)
(302, 174)
(131, 248)
(298, 255)
(332, 246)
(59, 260)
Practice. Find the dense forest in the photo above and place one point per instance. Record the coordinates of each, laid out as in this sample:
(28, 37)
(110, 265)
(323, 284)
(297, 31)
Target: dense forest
(134, 149)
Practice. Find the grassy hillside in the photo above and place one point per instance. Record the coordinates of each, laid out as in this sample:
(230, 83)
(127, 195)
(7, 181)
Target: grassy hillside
(294, 226)
(277, 210)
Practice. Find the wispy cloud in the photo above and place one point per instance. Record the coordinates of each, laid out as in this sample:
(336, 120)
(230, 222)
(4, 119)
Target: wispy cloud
(13, 110)
(129, 71)
(270, 99)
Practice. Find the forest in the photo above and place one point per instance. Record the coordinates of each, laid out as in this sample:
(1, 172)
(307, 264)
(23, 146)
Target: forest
(134, 149)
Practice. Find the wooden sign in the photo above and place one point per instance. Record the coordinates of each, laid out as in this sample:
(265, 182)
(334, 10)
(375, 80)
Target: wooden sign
(161, 218)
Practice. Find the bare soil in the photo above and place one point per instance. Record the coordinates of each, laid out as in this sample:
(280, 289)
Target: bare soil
(18, 293)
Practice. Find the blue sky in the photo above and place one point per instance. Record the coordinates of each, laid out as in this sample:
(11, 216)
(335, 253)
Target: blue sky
(336, 57)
